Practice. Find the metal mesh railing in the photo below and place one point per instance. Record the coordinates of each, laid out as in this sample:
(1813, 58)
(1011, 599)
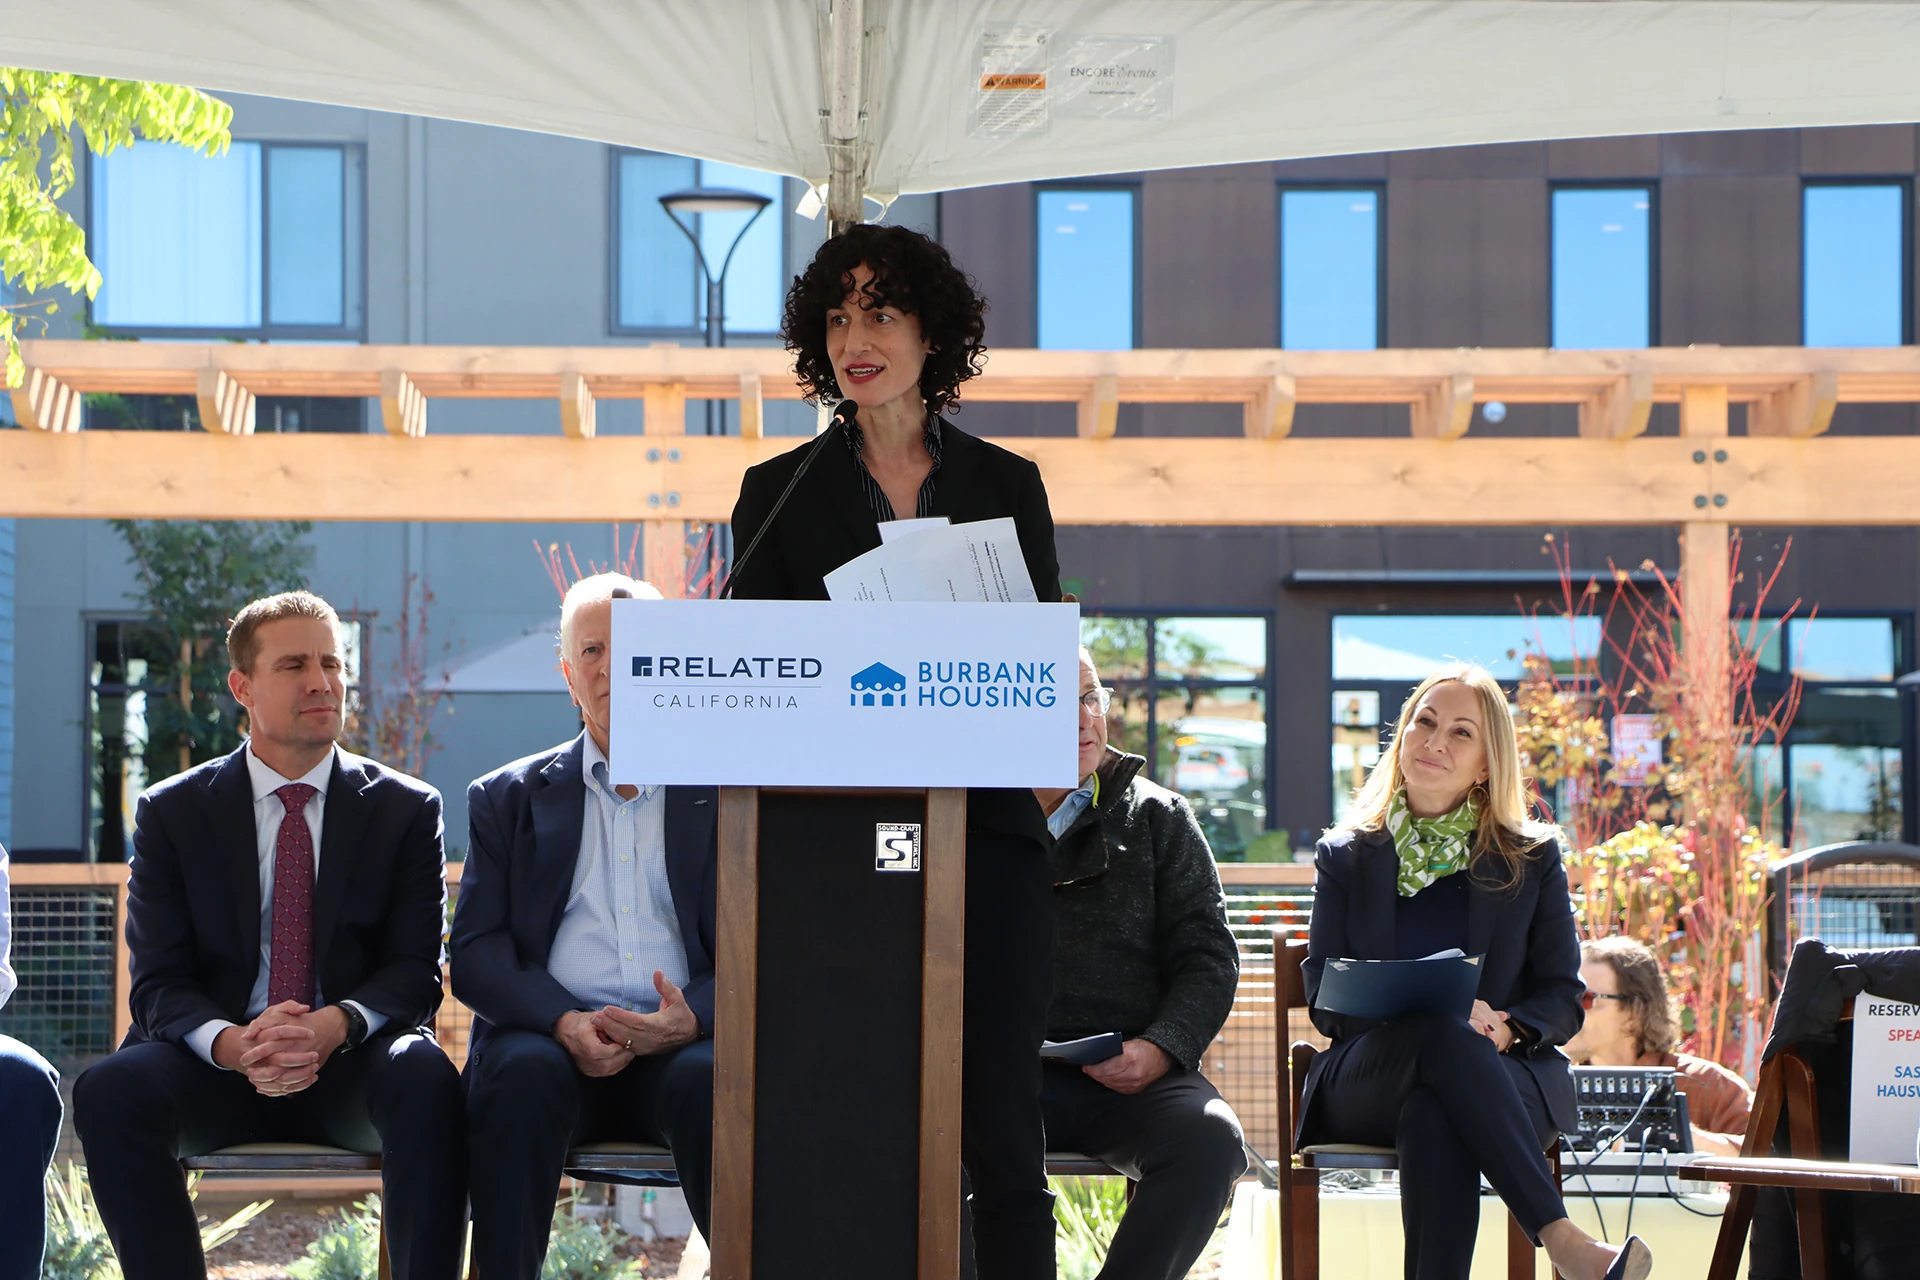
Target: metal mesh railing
(1856, 896)
(1241, 1062)
(64, 953)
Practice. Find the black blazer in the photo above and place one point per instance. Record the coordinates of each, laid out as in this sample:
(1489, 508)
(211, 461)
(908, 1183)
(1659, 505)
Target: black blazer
(828, 521)
(525, 820)
(1531, 970)
(193, 897)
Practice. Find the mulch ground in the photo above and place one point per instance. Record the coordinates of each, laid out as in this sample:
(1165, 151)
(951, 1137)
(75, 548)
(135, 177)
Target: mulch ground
(277, 1238)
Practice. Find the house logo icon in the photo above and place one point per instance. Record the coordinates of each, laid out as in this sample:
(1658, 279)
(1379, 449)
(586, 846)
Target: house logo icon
(878, 686)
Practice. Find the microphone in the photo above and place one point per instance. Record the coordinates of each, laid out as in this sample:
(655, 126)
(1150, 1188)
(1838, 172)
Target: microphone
(844, 414)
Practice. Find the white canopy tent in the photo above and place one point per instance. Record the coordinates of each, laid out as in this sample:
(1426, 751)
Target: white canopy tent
(894, 96)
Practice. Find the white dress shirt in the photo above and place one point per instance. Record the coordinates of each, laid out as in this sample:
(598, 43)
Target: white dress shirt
(268, 812)
(619, 924)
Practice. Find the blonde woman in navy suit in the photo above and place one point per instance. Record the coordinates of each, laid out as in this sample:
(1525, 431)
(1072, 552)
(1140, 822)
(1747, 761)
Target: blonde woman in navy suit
(1440, 852)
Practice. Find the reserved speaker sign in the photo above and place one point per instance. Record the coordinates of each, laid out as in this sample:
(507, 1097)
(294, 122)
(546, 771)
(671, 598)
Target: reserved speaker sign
(1885, 1124)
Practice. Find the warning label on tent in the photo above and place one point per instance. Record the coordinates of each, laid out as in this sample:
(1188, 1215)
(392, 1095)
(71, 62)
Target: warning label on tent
(1012, 97)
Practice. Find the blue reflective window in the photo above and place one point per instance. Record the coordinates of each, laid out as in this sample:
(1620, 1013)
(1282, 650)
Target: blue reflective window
(1330, 269)
(657, 279)
(1410, 647)
(307, 235)
(1854, 259)
(263, 241)
(1086, 286)
(1602, 267)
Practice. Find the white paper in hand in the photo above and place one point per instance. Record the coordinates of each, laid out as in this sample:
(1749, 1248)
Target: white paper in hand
(975, 563)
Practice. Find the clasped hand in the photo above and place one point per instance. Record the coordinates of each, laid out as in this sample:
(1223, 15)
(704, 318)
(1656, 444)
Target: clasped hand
(1491, 1023)
(605, 1043)
(281, 1051)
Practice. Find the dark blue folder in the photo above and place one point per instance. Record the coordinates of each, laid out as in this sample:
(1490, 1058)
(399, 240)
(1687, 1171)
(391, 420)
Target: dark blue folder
(1381, 990)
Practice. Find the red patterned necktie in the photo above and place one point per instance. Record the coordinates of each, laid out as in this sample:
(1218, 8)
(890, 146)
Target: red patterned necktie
(290, 969)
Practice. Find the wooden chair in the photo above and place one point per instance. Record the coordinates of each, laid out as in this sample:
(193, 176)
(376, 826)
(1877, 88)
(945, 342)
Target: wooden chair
(1786, 1092)
(1299, 1171)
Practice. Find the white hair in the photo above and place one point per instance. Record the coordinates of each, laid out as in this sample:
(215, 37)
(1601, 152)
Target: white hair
(595, 589)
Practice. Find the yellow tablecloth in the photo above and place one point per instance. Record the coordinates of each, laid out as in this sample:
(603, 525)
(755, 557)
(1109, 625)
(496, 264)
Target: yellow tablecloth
(1360, 1235)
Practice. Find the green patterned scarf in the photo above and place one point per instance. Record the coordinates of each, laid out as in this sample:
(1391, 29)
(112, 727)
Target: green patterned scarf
(1430, 848)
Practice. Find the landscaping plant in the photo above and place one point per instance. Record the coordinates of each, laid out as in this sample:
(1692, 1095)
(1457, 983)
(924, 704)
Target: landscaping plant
(1673, 852)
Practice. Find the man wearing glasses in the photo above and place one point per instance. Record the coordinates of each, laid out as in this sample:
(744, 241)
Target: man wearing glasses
(1143, 949)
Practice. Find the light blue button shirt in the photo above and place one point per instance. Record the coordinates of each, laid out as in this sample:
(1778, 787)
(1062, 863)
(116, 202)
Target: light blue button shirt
(619, 924)
(1073, 806)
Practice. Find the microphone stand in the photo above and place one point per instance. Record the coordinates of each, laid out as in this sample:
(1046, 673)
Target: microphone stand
(843, 416)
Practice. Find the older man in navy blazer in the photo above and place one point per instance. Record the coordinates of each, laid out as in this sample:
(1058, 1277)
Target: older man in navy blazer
(583, 943)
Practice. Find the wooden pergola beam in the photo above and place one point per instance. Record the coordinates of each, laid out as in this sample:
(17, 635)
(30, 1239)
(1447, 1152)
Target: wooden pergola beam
(1620, 410)
(42, 402)
(1444, 410)
(577, 419)
(1830, 480)
(403, 406)
(1099, 411)
(226, 407)
(1656, 375)
(1804, 407)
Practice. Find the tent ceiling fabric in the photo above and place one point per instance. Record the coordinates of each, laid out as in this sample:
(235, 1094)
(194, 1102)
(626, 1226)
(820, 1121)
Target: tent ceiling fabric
(742, 80)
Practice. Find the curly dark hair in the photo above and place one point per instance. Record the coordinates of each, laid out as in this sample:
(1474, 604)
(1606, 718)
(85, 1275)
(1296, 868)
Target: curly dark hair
(911, 273)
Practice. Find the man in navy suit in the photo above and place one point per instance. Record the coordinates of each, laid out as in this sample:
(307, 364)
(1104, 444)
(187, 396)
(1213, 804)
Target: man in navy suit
(583, 943)
(283, 921)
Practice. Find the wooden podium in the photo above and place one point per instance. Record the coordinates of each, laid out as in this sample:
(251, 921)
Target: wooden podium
(836, 1143)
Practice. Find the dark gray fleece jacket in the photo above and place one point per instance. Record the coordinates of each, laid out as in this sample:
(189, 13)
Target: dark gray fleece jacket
(1143, 946)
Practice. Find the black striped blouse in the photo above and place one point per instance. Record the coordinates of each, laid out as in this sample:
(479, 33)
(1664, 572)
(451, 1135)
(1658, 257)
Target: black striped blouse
(876, 496)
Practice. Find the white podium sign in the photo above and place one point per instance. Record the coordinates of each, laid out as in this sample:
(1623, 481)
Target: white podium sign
(1885, 1116)
(811, 693)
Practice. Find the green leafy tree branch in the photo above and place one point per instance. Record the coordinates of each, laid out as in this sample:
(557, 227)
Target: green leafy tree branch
(193, 577)
(40, 111)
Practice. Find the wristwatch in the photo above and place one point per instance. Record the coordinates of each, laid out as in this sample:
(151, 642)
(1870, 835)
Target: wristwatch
(1524, 1036)
(356, 1027)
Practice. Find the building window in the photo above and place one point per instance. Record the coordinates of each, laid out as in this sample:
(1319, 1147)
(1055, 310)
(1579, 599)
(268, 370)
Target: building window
(262, 242)
(1602, 267)
(1190, 695)
(657, 283)
(126, 675)
(1379, 658)
(1840, 774)
(1330, 252)
(1087, 289)
(1854, 263)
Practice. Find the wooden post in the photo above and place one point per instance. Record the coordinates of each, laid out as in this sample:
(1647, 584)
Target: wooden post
(736, 972)
(942, 983)
(1706, 579)
(664, 553)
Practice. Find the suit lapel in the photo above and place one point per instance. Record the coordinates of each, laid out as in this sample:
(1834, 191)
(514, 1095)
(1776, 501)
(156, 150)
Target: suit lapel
(559, 807)
(343, 829)
(1483, 912)
(689, 817)
(955, 489)
(239, 844)
(845, 494)
(1378, 898)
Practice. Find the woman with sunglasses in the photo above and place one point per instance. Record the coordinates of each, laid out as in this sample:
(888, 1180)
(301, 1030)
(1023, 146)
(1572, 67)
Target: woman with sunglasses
(1440, 852)
(1630, 1023)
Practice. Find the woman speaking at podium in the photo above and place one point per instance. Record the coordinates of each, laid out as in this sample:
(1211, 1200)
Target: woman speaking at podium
(1439, 853)
(885, 324)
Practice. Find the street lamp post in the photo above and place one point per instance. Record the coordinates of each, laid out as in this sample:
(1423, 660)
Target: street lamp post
(691, 203)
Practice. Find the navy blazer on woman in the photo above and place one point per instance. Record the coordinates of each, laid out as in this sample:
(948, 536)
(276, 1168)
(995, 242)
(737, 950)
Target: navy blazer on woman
(193, 897)
(525, 821)
(1531, 970)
